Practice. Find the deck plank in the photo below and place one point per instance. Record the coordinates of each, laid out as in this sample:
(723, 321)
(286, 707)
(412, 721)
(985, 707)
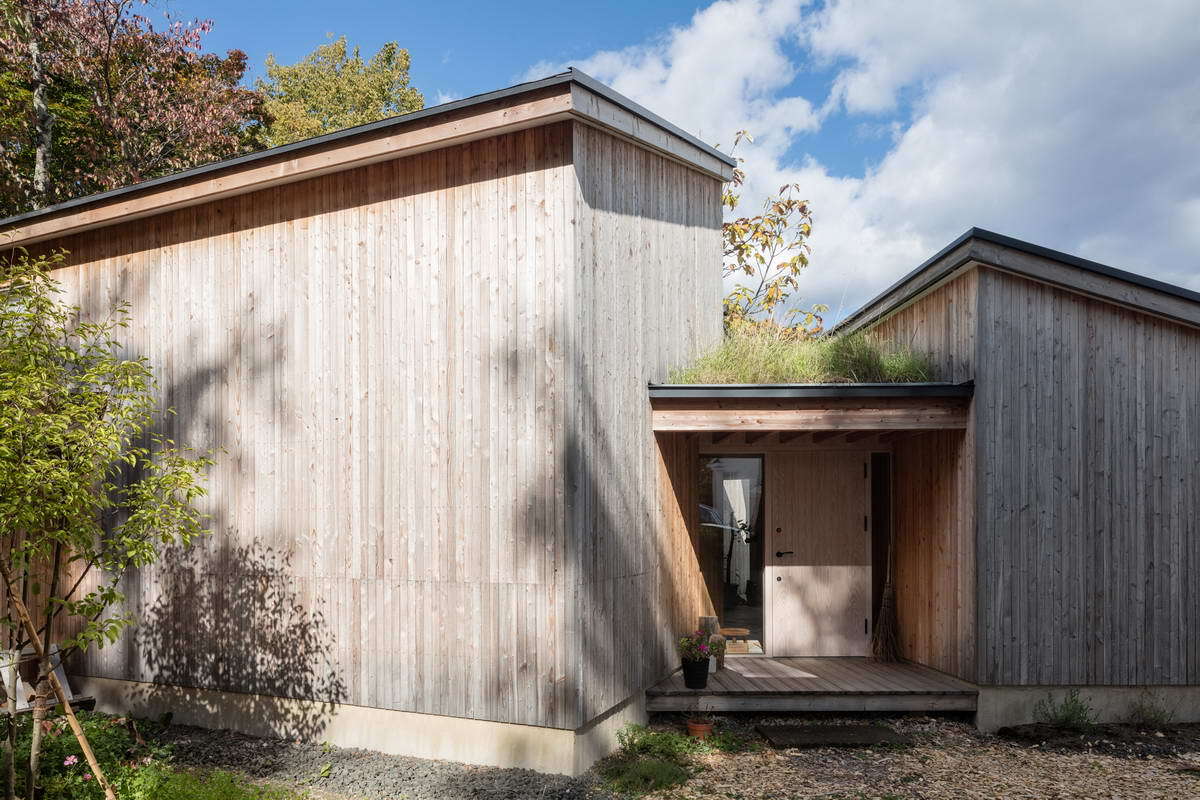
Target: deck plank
(761, 683)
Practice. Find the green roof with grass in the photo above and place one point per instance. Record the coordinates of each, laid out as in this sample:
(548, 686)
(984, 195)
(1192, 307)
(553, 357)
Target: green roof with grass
(768, 354)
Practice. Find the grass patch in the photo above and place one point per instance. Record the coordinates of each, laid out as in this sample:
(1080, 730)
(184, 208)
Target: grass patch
(650, 760)
(158, 781)
(138, 771)
(638, 776)
(765, 354)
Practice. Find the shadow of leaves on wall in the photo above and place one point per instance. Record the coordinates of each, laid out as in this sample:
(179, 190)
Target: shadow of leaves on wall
(244, 630)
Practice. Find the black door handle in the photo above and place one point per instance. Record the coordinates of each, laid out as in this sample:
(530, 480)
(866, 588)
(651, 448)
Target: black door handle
(782, 553)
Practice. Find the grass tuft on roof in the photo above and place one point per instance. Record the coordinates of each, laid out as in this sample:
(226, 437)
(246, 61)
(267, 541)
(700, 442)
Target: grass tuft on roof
(770, 354)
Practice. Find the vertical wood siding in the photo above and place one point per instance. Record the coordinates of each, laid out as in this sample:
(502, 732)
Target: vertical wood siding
(934, 567)
(439, 490)
(1086, 443)
(1089, 451)
(934, 491)
(647, 289)
(381, 353)
(941, 324)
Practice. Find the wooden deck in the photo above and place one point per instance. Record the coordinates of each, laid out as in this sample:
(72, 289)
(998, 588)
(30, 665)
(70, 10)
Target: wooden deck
(758, 683)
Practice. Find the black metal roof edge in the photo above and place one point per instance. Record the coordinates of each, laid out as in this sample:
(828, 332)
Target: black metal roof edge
(879, 298)
(1025, 247)
(1091, 266)
(607, 92)
(572, 75)
(816, 390)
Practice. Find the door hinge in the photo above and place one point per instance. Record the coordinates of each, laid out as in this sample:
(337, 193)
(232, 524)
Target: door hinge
(865, 623)
(864, 522)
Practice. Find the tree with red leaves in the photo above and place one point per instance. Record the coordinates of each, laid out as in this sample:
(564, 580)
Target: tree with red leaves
(95, 97)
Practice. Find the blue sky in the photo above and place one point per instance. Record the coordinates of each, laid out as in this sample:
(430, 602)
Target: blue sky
(462, 48)
(1072, 125)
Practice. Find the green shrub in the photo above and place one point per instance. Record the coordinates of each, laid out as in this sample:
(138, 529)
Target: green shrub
(1072, 713)
(109, 737)
(1149, 711)
(770, 355)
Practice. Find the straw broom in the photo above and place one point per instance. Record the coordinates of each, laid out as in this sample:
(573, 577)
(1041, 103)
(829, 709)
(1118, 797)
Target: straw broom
(885, 641)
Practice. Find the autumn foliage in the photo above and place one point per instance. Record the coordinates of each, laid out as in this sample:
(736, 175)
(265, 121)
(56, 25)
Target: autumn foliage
(765, 254)
(95, 97)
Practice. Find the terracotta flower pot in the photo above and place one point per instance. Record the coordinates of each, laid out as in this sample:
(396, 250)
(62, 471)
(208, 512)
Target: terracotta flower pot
(695, 673)
(699, 728)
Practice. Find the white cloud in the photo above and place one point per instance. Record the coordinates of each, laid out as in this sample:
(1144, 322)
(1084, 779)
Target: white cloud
(1074, 125)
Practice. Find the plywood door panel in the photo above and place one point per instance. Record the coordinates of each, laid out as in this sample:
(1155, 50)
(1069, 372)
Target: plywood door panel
(818, 557)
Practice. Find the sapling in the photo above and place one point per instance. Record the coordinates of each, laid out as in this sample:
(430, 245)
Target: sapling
(89, 488)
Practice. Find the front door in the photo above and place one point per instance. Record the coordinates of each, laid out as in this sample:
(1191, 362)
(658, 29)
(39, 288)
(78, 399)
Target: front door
(818, 554)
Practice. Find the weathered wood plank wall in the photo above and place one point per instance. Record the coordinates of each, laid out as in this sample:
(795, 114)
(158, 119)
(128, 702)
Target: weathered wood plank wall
(647, 298)
(1089, 448)
(942, 324)
(934, 491)
(440, 490)
(1085, 440)
(934, 567)
(381, 354)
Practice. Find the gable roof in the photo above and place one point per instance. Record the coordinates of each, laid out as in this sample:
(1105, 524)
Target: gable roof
(979, 247)
(567, 95)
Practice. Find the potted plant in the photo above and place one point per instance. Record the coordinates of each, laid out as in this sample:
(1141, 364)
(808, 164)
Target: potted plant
(694, 653)
(699, 727)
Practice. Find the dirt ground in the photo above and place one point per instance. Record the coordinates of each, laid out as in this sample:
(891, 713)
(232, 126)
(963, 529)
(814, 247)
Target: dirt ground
(950, 759)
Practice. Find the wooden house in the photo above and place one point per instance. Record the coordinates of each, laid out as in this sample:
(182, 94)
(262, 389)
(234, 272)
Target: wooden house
(450, 520)
(1043, 501)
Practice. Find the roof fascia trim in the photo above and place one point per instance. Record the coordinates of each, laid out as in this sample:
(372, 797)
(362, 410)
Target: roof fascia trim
(39, 223)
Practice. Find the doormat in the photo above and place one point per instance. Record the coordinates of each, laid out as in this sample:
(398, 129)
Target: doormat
(831, 735)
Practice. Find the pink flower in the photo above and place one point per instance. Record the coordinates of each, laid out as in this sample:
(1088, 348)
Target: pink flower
(71, 761)
(87, 776)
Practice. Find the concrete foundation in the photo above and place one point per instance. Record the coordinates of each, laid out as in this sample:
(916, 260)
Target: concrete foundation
(1000, 706)
(471, 741)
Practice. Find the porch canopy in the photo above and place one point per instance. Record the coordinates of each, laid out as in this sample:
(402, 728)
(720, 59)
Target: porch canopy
(819, 411)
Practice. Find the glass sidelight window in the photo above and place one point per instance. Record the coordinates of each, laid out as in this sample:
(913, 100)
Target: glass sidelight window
(730, 545)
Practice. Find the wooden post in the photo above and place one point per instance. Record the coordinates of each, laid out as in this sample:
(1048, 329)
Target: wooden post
(36, 642)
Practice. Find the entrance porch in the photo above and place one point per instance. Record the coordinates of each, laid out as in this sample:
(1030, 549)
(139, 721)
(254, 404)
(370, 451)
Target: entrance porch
(757, 683)
(802, 519)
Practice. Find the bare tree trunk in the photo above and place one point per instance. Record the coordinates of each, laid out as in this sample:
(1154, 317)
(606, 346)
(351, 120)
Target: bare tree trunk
(36, 641)
(43, 120)
(10, 739)
(41, 700)
(33, 785)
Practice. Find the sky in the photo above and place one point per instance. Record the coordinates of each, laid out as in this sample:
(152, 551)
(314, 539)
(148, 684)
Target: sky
(1074, 125)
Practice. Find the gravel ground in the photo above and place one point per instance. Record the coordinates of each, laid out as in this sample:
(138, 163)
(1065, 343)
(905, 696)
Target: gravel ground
(947, 759)
(331, 772)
